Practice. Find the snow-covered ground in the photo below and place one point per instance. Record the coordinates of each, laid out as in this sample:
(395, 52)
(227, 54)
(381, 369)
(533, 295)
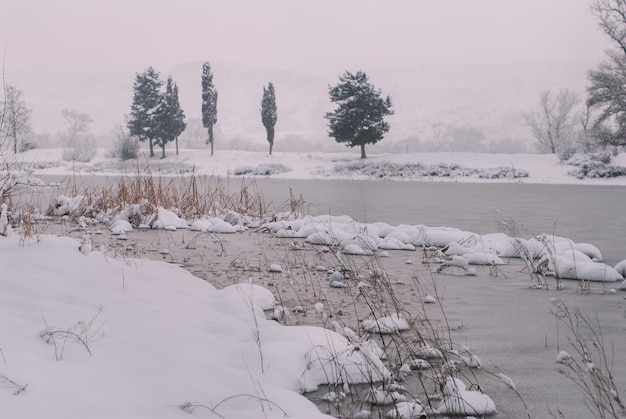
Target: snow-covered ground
(87, 334)
(530, 168)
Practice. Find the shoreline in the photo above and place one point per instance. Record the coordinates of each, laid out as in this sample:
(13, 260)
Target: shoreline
(515, 335)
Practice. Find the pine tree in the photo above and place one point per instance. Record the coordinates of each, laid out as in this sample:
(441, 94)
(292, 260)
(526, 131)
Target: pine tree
(209, 102)
(269, 113)
(146, 100)
(359, 117)
(169, 116)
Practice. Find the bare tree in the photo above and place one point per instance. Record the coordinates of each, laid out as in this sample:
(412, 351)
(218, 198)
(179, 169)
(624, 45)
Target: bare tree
(77, 123)
(553, 123)
(16, 125)
(441, 135)
(606, 92)
(78, 144)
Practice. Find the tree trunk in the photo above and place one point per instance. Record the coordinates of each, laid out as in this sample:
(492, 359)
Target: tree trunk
(270, 136)
(163, 149)
(211, 138)
(363, 156)
(177, 146)
(151, 147)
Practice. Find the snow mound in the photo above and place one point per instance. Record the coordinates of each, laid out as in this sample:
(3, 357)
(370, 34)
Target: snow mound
(586, 271)
(385, 325)
(459, 401)
(254, 294)
(167, 218)
(331, 359)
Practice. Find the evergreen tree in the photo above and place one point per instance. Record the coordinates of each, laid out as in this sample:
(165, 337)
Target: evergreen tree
(169, 116)
(146, 100)
(607, 82)
(179, 124)
(269, 113)
(359, 117)
(209, 102)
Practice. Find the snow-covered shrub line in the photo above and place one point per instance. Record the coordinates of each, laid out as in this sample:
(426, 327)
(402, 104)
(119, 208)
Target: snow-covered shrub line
(387, 170)
(262, 170)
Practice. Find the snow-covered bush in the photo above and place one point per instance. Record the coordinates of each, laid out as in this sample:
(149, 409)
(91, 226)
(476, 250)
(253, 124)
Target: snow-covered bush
(502, 173)
(594, 165)
(126, 147)
(262, 170)
(387, 170)
(81, 150)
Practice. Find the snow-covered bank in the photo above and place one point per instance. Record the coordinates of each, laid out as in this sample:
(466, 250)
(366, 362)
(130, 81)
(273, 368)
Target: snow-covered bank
(159, 342)
(101, 338)
(454, 167)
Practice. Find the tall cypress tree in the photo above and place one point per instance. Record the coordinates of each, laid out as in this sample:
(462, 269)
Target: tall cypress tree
(179, 116)
(146, 99)
(170, 116)
(209, 102)
(269, 114)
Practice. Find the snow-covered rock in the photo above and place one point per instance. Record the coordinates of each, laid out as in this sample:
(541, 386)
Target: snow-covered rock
(385, 325)
(253, 294)
(588, 271)
(459, 401)
(167, 218)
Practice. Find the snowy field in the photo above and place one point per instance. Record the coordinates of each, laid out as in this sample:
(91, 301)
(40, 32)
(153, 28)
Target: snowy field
(456, 167)
(220, 316)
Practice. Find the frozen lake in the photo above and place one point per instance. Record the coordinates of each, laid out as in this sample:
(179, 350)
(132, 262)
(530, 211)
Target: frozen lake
(584, 213)
(592, 214)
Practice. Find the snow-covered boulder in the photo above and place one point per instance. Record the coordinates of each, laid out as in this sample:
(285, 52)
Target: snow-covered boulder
(483, 259)
(457, 400)
(200, 225)
(498, 243)
(441, 236)
(385, 325)
(222, 227)
(120, 227)
(453, 248)
(356, 250)
(621, 268)
(406, 410)
(332, 359)
(167, 218)
(256, 295)
(575, 255)
(588, 271)
(590, 250)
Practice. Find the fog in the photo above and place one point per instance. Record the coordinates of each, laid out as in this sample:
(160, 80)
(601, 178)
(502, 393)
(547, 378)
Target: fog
(459, 64)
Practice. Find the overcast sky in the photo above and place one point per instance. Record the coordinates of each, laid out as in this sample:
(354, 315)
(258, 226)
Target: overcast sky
(53, 47)
(303, 35)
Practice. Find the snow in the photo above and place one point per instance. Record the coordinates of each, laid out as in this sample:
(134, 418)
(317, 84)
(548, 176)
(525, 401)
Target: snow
(159, 342)
(384, 325)
(541, 168)
(459, 401)
(167, 219)
(155, 338)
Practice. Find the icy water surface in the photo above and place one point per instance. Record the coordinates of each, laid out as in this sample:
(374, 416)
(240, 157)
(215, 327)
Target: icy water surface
(584, 213)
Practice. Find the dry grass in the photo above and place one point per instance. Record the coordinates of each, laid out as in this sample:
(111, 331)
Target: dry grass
(191, 197)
